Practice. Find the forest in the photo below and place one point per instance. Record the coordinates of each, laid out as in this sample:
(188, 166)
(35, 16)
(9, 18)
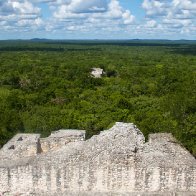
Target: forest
(46, 85)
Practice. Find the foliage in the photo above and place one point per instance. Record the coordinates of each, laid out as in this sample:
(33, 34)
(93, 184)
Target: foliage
(45, 86)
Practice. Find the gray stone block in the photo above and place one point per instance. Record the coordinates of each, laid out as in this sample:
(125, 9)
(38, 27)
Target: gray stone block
(117, 162)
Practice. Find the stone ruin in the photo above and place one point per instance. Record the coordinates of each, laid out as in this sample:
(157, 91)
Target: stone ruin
(116, 162)
(97, 72)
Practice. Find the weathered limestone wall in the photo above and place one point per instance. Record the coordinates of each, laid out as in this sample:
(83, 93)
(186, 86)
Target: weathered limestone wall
(116, 162)
(21, 145)
(60, 138)
(111, 178)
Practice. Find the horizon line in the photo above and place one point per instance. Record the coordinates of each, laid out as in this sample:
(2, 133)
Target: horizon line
(95, 39)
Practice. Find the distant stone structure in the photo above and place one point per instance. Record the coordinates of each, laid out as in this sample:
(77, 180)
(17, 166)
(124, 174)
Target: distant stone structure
(117, 162)
(97, 72)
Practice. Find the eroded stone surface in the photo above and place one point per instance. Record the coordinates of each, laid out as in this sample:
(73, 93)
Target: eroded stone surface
(21, 145)
(60, 138)
(115, 162)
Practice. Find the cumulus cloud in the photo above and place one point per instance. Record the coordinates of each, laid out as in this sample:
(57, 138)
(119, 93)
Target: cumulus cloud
(94, 9)
(177, 16)
(86, 6)
(93, 15)
(71, 15)
(167, 8)
(151, 24)
(16, 14)
(18, 8)
(162, 17)
(185, 5)
(154, 7)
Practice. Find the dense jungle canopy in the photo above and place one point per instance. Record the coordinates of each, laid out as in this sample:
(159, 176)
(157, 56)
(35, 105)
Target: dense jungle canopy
(46, 85)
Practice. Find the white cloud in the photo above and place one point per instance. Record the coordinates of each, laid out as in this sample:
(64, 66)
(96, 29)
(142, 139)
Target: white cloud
(18, 7)
(127, 17)
(154, 7)
(24, 8)
(151, 24)
(185, 4)
(86, 6)
(91, 15)
(104, 17)
(168, 8)
(114, 9)
(172, 15)
(18, 14)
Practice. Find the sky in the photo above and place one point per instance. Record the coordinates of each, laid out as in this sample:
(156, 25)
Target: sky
(98, 19)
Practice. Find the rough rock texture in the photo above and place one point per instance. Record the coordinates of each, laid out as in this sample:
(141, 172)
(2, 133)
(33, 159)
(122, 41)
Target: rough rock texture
(60, 138)
(115, 162)
(21, 145)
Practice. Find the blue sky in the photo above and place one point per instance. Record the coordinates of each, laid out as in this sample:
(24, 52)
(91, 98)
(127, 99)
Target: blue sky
(98, 19)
